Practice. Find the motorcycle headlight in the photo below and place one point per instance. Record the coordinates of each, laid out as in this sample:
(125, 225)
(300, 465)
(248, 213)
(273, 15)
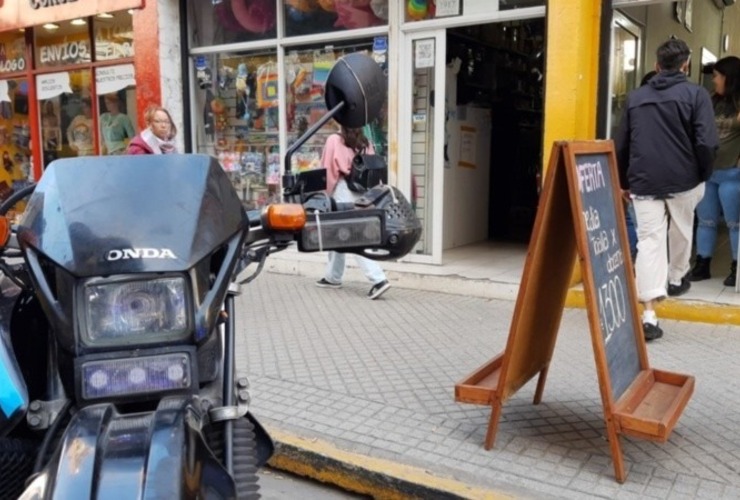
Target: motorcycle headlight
(135, 312)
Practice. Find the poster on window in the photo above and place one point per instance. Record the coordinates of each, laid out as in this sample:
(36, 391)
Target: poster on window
(52, 85)
(446, 8)
(424, 53)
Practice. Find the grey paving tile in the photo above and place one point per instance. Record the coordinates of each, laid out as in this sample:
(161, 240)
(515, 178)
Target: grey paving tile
(335, 369)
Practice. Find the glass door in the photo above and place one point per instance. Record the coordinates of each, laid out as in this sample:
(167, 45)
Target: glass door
(421, 136)
(626, 40)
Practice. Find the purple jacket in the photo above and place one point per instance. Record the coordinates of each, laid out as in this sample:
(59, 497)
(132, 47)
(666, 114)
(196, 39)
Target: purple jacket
(138, 146)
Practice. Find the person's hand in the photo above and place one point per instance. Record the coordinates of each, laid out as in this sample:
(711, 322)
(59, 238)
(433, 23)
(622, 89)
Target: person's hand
(626, 196)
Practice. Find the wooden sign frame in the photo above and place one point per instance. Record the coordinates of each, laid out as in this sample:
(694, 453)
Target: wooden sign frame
(580, 214)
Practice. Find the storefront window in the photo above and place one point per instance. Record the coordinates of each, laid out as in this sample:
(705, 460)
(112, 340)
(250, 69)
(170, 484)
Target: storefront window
(116, 90)
(12, 52)
(114, 36)
(217, 22)
(237, 114)
(306, 70)
(307, 17)
(65, 111)
(62, 43)
(15, 137)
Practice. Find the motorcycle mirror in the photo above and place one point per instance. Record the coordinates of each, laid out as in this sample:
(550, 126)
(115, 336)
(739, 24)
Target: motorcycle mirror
(359, 82)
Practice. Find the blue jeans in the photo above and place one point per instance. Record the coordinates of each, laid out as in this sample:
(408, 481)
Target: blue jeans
(335, 266)
(629, 218)
(721, 196)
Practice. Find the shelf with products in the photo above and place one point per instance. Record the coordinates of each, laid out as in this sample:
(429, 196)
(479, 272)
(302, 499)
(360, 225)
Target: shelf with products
(240, 122)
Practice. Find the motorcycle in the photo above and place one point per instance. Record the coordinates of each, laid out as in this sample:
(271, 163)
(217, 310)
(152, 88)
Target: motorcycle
(117, 313)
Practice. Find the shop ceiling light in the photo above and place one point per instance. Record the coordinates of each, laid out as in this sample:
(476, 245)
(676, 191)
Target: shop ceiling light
(51, 27)
(78, 22)
(105, 15)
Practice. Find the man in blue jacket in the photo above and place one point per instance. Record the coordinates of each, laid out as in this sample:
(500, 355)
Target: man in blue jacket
(665, 150)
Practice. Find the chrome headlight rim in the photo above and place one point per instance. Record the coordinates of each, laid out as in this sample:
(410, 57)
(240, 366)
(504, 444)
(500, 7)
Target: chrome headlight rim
(87, 337)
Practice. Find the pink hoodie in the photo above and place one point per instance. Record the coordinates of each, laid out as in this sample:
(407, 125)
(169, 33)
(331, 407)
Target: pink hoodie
(337, 160)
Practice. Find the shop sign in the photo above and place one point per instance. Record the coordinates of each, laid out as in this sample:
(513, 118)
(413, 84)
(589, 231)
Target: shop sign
(24, 13)
(52, 85)
(69, 52)
(12, 54)
(114, 78)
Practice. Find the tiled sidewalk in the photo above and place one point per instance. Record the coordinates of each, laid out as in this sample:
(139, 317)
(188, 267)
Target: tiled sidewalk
(376, 379)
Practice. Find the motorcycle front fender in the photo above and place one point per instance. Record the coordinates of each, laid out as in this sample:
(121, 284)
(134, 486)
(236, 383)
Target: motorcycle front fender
(161, 454)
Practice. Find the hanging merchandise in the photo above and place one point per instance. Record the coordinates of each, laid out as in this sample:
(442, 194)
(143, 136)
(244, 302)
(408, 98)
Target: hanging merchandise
(242, 92)
(209, 125)
(203, 72)
(273, 169)
(257, 16)
(6, 110)
(253, 163)
(380, 51)
(323, 62)
(220, 114)
(267, 85)
(225, 77)
(20, 105)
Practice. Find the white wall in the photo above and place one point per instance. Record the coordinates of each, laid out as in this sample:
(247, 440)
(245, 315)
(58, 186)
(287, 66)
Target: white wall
(466, 190)
(170, 65)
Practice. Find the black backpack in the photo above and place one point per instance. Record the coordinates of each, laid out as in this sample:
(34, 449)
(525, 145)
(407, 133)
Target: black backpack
(367, 171)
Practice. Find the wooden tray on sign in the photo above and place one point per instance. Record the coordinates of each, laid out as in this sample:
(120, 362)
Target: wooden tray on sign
(480, 386)
(652, 404)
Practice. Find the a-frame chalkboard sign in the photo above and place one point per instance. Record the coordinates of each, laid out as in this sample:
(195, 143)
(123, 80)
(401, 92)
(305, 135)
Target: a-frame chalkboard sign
(580, 213)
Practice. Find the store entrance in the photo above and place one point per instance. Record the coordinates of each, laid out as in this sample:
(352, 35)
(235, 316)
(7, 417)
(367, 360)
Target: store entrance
(493, 133)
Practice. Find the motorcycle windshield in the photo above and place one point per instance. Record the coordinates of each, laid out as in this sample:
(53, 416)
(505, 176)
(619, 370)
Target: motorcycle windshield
(123, 214)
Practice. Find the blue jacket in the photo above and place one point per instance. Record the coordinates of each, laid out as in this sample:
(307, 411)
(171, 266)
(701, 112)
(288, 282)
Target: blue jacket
(667, 138)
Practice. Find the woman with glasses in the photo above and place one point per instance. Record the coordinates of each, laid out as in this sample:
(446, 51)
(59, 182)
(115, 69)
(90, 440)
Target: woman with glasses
(157, 137)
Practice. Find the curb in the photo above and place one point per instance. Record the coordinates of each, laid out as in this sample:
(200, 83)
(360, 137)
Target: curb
(379, 478)
(675, 309)
(681, 310)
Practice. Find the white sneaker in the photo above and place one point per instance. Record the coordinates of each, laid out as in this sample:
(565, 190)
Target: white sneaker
(378, 289)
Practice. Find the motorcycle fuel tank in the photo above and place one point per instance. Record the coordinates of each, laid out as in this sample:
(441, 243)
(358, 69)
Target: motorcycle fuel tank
(125, 214)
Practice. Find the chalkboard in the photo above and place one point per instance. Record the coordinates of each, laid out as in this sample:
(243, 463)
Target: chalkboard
(604, 252)
(580, 213)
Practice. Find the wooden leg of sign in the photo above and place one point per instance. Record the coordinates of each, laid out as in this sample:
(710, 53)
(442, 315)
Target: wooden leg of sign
(540, 385)
(493, 423)
(616, 449)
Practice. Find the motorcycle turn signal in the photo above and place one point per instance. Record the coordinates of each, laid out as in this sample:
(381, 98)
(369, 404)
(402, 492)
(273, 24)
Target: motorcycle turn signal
(284, 217)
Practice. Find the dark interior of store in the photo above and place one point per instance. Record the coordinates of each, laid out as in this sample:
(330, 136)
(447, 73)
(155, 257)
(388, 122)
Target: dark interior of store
(502, 69)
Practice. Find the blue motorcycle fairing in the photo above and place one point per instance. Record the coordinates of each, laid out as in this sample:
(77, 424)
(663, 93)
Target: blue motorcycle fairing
(13, 390)
(156, 455)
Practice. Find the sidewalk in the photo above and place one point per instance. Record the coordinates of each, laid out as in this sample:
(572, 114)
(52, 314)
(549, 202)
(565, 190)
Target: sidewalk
(361, 393)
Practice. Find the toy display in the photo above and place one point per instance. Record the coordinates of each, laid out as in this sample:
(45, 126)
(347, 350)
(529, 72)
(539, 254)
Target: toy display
(238, 132)
(420, 9)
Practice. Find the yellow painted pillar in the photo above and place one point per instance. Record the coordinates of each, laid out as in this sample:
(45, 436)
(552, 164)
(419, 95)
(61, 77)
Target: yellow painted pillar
(571, 74)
